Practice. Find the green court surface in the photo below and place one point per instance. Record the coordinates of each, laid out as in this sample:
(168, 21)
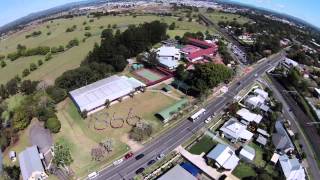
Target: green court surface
(149, 75)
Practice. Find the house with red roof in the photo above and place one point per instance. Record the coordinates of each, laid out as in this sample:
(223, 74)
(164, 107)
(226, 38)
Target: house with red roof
(197, 50)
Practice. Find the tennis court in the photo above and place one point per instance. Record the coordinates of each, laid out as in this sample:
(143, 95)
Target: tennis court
(149, 75)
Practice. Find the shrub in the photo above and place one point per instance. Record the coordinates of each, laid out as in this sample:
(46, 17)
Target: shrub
(25, 72)
(53, 124)
(3, 64)
(33, 66)
(56, 94)
(40, 62)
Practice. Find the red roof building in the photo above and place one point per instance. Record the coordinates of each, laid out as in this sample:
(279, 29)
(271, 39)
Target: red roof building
(198, 50)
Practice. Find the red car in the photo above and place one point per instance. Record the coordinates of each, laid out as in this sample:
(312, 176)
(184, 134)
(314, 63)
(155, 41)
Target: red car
(129, 155)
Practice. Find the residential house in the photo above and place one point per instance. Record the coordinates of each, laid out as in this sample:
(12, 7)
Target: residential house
(291, 168)
(262, 93)
(253, 102)
(235, 131)
(177, 172)
(246, 115)
(31, 164)
(223, 157)
(281, 139)
(247, 153)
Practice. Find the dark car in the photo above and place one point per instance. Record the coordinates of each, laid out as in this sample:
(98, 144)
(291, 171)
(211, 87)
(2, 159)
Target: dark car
(139, 156)
(128, 155)
(140, 170)
(151, 162)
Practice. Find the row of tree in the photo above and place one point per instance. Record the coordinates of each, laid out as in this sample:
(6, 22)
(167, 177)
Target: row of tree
(112, 53)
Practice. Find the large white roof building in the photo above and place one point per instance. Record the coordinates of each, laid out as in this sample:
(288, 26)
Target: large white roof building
(94, 95)
(168, 56)
(249, 116)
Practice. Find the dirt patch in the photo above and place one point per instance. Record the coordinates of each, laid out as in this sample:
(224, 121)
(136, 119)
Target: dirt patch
(134, 145)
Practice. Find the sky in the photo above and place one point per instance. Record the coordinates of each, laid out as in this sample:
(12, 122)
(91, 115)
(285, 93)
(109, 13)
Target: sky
(308, 10)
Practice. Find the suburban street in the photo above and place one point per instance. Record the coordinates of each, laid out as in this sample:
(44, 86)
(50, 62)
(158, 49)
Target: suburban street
(288, 103)
(180, 133)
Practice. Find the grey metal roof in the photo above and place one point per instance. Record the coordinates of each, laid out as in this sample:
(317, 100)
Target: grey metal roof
(281, 139)
(30, 162)
(262, 140)
(176, 173)
(96, 94)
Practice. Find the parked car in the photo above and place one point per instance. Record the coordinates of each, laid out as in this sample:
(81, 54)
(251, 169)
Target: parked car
(140, 170)
(160, 156)
(128, 155)
(139, 156)
(152, 161)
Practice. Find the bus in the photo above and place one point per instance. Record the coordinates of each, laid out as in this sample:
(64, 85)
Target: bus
(197, 115)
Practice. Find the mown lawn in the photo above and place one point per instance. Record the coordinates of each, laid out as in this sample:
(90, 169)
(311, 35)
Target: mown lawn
(205, 144)
(244, 170)
(80, 133)
(221, 16)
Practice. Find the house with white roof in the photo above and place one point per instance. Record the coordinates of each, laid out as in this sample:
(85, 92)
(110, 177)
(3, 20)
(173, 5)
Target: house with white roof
(291, 168)
(254, 101)
(235, 131)
(289, 63)
(247, 153)
(223, 157)
(168, 56)
(262, 93)
(246, 115)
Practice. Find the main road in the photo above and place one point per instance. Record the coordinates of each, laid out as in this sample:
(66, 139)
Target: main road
(183, 131)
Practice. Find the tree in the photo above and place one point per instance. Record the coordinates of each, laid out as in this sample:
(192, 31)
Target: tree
(107, 144)
(62, 155)
(152, 59)
(3, 63)
(28, 86)
(40, 62)
(172, 26)
(33, 66)
(141, 131)
(12, 86)
(11, 172)
(25, 72)
(56, 93)
(21, 118)
(97, 153)
(3, 92)
(53, 124)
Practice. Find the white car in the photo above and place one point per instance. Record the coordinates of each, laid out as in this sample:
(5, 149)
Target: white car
(160, 156)
(208, 120)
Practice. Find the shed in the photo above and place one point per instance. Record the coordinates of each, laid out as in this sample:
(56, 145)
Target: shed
(194, 170)
(177, 172)
(275, 158)
(261, 140)
(247, 153)
(166, 114)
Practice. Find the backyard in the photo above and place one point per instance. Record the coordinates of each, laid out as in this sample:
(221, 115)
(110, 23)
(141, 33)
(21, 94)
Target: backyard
(81, 134)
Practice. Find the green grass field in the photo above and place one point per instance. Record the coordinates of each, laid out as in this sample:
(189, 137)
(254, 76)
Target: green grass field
(79, 133)
(72, 58)
(244, 170)
(205, 144)
(221, 16)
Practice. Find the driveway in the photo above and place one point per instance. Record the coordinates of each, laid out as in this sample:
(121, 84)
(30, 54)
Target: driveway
(40, 137)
